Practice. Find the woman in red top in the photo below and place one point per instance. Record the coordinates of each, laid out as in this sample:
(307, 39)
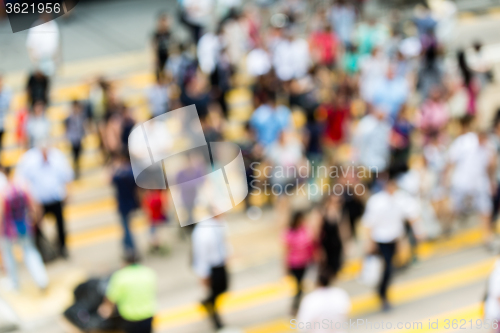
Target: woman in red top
(323, 44)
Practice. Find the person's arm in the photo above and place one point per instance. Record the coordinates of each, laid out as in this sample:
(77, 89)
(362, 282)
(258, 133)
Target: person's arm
(106, 308)
(201, 264)
(34, 209)
(492, 168)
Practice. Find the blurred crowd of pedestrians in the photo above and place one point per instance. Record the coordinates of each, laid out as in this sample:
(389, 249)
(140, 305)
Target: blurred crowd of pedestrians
(332, 86)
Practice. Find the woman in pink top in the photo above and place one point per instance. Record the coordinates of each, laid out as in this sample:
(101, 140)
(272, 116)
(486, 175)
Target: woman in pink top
(299, 248)
(433, 115)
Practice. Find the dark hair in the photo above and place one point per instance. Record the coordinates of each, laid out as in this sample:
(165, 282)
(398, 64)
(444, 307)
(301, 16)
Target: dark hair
(296, 220)
(466, 120)
(7, 170)
(464, 67)
(131, 257)
(324, 277)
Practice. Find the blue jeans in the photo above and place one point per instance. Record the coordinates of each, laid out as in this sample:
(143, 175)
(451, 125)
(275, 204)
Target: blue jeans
(32, 260)
(128, 240)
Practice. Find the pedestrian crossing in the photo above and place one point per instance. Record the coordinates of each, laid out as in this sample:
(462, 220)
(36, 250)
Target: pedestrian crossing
(83, 207)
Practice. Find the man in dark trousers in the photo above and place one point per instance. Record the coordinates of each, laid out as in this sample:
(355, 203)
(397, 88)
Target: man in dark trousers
(209, 262)
(385, 216)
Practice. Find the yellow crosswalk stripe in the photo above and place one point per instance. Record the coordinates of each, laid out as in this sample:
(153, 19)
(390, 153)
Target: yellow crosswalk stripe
(401, 293)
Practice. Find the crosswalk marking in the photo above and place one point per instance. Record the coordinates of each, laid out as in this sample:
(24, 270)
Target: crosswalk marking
(400, 293)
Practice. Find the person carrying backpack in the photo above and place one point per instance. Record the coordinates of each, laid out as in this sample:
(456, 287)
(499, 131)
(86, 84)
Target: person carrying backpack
(18, 213)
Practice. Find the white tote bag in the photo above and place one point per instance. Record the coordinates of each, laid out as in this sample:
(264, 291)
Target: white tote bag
(371, 271)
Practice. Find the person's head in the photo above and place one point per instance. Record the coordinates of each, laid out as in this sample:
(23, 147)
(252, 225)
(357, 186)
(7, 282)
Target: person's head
(391, 72)
(435, 93)
(8, 172)
(131, 258)
(161, 79)
(76, 107)
(297, 220)
(163, 21)
(467, 123)
(39, 108)
(496, 123)
(122, 157)
(392, 177)
(477, 46)
(325, 276)
(46, 17)
(269, 97)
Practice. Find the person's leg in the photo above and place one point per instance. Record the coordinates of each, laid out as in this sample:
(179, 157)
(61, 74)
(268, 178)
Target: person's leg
(143, 326)
(77, 149)
(9, 261)
(128, 241)
(483, 205)
(1, 138)
(57, 210)
(496, 208)
(387, 250)
(218, 285)
(298, 274)
(34, 262)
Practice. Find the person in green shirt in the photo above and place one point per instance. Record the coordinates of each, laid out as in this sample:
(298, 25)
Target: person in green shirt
(132, 290)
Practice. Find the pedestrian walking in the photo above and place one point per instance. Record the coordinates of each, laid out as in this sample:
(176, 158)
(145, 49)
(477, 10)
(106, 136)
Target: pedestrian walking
(132, 291)
(38, 125)
(209, 263)
(330, 237)
(385, 216)
(75, 132)
(126, 195)
(327, 304)
(47, 173)
(471, 162)
(161, 43)
(18, 214)
(299, 251)
(5, 101)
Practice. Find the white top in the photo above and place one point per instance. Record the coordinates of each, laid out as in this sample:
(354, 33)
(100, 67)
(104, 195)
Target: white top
(385, 215)
(208, 51)
(492, 305)
(323, 305)
(158, 99)
(471, 161)
(45, 179)
(291, 59)
(43, 40)
(209, 246)
(258, 62)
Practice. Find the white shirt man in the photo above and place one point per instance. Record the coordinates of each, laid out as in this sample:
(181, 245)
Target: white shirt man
(385, 216)
(209, 260)
(371, 142)
(323, 310)
(43, 46)
(386, 213)
(291, 58)
(209, 246)
(47, 172)
(471, 159)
